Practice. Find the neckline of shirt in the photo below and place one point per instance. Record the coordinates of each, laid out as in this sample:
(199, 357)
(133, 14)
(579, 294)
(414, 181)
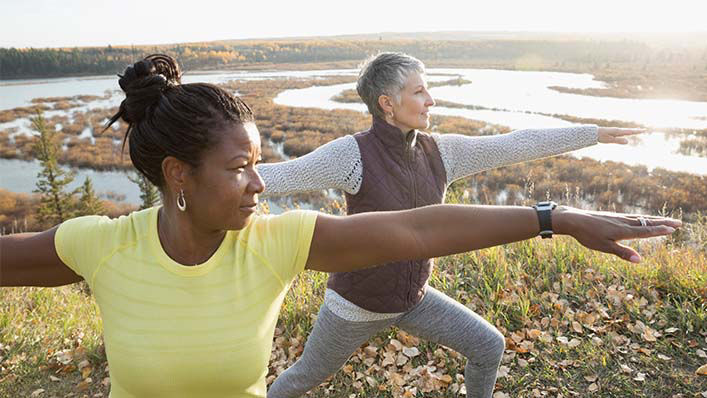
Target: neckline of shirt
(177, 268)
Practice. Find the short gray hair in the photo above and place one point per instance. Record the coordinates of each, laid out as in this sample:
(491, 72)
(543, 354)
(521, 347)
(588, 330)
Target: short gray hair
(385, 74)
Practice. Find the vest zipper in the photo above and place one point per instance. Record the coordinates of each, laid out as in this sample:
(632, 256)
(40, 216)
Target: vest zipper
(409, 139)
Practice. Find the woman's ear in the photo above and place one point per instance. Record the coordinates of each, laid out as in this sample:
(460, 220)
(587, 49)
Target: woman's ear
(174, 172)
(386, 104)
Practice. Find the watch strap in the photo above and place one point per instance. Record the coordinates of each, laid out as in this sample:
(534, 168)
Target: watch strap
(544, 212)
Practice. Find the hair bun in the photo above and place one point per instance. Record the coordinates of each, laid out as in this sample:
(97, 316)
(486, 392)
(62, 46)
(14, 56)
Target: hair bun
(143, 84)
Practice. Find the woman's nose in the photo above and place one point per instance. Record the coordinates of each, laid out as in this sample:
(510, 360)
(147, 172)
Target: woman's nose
(429, 100)
(256, 184)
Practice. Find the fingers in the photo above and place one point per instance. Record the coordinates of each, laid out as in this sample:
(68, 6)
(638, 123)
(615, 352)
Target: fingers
(641, 232)
(615, 135)
(649, 221)
(621, 132)
(624, 252)
(622, 141)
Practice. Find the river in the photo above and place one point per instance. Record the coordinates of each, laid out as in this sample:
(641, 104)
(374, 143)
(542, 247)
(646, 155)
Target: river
(521, 96)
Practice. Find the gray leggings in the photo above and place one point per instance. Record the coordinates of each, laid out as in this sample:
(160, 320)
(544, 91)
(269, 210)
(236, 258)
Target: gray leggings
(437, 318)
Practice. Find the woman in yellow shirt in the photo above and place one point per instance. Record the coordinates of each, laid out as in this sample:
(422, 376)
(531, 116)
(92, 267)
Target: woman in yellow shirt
(189, 292)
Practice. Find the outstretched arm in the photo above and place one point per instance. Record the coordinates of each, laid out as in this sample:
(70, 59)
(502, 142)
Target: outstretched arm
(336, 164)
(466, 155)
(352, 242)
(30, 259)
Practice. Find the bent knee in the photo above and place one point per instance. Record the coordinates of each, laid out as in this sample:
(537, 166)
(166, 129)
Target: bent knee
(491, 349)
(498, 343)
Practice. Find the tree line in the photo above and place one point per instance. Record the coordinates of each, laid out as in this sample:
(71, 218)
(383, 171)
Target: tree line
(51, 62)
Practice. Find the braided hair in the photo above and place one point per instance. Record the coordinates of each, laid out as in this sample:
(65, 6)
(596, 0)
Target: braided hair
(167, 118)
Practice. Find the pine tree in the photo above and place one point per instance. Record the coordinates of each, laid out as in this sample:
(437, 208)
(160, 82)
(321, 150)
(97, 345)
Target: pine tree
(149, 194)
(55, 205)
(88, 203)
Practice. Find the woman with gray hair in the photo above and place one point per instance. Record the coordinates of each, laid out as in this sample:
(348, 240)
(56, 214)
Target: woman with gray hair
(394, 166)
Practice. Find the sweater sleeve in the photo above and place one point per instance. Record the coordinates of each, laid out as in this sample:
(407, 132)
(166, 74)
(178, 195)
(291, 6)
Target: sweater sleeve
(466, 155)
(336, 164)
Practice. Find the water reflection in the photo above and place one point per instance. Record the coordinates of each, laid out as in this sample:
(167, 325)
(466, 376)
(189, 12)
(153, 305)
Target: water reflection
(21, 176)
(657, 149)
(518, 93)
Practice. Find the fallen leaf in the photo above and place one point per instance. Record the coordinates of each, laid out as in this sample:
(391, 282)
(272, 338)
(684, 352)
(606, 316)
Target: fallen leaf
(446, 379)
(645, 351)
(407, 339)
(640, 377)
(37, 392)
(9, 378)
(701, 354)
(396, 345)
(370, 351)
(411, 352)
(591, 378)
(545, 338)
(64, 357)
(516, 337)
(577, 327)
(593, 387)
(79, 353)
(502, 372)
(388, 359)
(84, 385)
(524, 347)
(702, 370)
(396, 378)
(649, 335)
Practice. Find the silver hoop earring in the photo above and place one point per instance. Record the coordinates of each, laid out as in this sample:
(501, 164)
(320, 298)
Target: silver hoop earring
(181, 202)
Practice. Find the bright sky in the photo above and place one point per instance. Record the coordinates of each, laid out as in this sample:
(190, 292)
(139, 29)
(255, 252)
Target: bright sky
(47, 23)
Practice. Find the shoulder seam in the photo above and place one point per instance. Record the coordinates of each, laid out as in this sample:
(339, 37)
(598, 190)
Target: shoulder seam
(111, 254)
(262, 260)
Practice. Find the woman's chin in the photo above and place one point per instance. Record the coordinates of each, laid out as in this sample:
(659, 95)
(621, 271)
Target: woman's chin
(240, 223)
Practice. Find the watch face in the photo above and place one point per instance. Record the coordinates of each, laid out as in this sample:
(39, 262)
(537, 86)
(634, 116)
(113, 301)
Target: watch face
(546, 205)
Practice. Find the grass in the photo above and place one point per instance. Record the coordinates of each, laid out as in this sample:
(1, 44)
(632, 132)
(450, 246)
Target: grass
(639, 328)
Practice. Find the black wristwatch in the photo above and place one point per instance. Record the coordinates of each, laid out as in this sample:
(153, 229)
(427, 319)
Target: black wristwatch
(544, 210)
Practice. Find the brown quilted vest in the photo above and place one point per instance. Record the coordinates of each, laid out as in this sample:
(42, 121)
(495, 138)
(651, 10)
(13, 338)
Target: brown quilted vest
(399, 172)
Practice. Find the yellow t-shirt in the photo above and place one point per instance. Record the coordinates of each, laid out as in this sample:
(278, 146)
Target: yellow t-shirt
(187, 331)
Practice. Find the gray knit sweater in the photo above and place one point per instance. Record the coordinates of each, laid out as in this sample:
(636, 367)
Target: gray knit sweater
(337, 165)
